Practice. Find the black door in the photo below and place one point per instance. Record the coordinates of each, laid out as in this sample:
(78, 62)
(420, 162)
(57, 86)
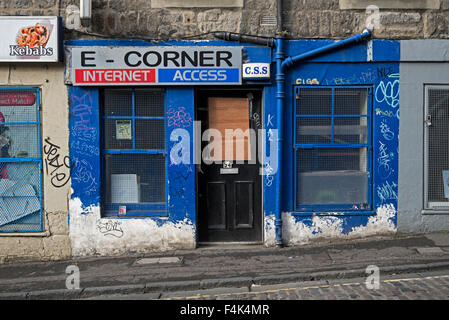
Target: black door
(229, 188)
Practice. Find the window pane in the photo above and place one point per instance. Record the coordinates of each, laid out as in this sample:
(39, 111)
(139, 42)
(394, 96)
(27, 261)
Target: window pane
(20, 202)
(118, 134)
(135, 178)
(117, 102)
(231, 115)
(314, 130)
(438, 142)
(19, 113)
(350, 101)
(150, 134)
(350, 130)
(314, 101)
(332, 176)
(20, 182)
(149, 103)
(19, 141)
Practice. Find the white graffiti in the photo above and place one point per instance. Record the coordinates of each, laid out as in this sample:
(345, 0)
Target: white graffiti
(386, 131)
(269, 123)
(83, 174)
(364, 77)
(388, 91)
(268, 174)
(384, 159)
(271, 135)
(387, 191)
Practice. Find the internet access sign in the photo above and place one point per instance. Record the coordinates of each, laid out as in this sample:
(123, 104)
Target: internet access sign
(97, 66)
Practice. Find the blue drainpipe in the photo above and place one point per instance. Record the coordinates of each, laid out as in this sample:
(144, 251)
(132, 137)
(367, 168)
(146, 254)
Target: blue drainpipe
(281, 66)
(280, 97)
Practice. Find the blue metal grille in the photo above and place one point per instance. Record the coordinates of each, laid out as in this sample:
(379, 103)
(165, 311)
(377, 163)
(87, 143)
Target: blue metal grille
(134, 157)
(20, 160)
(333, 146)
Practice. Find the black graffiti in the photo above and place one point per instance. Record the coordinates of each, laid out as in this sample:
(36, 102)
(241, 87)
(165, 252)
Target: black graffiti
(177, 182)
(256, 118)
(55, 167)
(384, 72)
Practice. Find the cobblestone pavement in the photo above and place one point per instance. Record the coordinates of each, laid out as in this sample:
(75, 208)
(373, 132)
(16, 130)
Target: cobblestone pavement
(430, 286)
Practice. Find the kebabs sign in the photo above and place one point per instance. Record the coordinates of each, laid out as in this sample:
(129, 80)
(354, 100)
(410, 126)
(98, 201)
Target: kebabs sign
(29, 39)
(171, 65)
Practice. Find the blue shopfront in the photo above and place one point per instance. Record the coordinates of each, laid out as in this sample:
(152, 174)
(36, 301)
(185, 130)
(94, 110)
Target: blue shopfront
(149, 129)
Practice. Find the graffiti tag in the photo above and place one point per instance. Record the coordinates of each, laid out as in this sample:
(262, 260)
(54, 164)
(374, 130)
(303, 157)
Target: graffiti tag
(83, 174)
(268, 175)
(179, 117)
(386, 132)
(307, 81)
(384, 160)
(56, 167)
(387, 191)
(110, 228)
(388, 91)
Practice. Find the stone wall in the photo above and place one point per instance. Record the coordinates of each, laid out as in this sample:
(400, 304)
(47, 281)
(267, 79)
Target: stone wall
(321, 19)
(54, 242)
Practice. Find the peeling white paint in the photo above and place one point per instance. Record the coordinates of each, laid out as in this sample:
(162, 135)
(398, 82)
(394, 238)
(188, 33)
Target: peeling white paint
(92, 235)
(297, 232)
(380, 223)
(270, 234)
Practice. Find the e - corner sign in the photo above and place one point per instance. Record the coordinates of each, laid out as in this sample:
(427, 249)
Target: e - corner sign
(96, 66)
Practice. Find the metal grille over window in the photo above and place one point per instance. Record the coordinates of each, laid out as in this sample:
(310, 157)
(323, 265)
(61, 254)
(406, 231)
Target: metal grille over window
(437, 150)
(20, 161)
(134, 151)
(333, 143)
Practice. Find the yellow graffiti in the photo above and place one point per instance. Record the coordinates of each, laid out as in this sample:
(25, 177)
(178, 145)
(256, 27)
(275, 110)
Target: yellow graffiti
(384, 113)
(307, 81)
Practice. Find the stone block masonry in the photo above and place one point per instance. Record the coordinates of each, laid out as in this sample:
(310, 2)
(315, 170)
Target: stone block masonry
(313, 19)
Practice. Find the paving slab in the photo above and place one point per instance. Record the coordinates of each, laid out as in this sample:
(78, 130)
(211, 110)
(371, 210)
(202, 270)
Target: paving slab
(430, 250)
(188, 270)
(440, 239)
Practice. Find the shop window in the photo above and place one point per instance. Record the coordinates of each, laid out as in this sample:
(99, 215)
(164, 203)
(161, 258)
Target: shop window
(20, 160)
(133, 152)
(436, 148)
(332, 148)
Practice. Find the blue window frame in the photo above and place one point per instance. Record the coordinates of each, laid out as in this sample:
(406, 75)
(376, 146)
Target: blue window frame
(134, 153)
(20, 160)
(332, 150)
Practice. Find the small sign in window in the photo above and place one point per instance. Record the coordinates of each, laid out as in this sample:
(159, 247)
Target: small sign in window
(123, 129)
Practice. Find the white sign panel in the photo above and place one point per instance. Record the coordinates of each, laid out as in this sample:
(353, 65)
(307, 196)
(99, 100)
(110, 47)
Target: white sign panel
(155, 65)
(29, 39)
(256, 71)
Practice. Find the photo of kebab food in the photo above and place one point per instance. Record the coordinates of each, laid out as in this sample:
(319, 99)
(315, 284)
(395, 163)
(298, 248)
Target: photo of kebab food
(33, 36)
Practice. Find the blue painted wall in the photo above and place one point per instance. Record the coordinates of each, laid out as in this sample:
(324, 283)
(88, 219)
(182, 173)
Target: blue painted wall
(348, 66)
(84, 144)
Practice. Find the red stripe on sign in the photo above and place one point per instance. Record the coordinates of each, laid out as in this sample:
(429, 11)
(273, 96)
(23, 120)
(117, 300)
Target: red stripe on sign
(17, 98)
(115, 75)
